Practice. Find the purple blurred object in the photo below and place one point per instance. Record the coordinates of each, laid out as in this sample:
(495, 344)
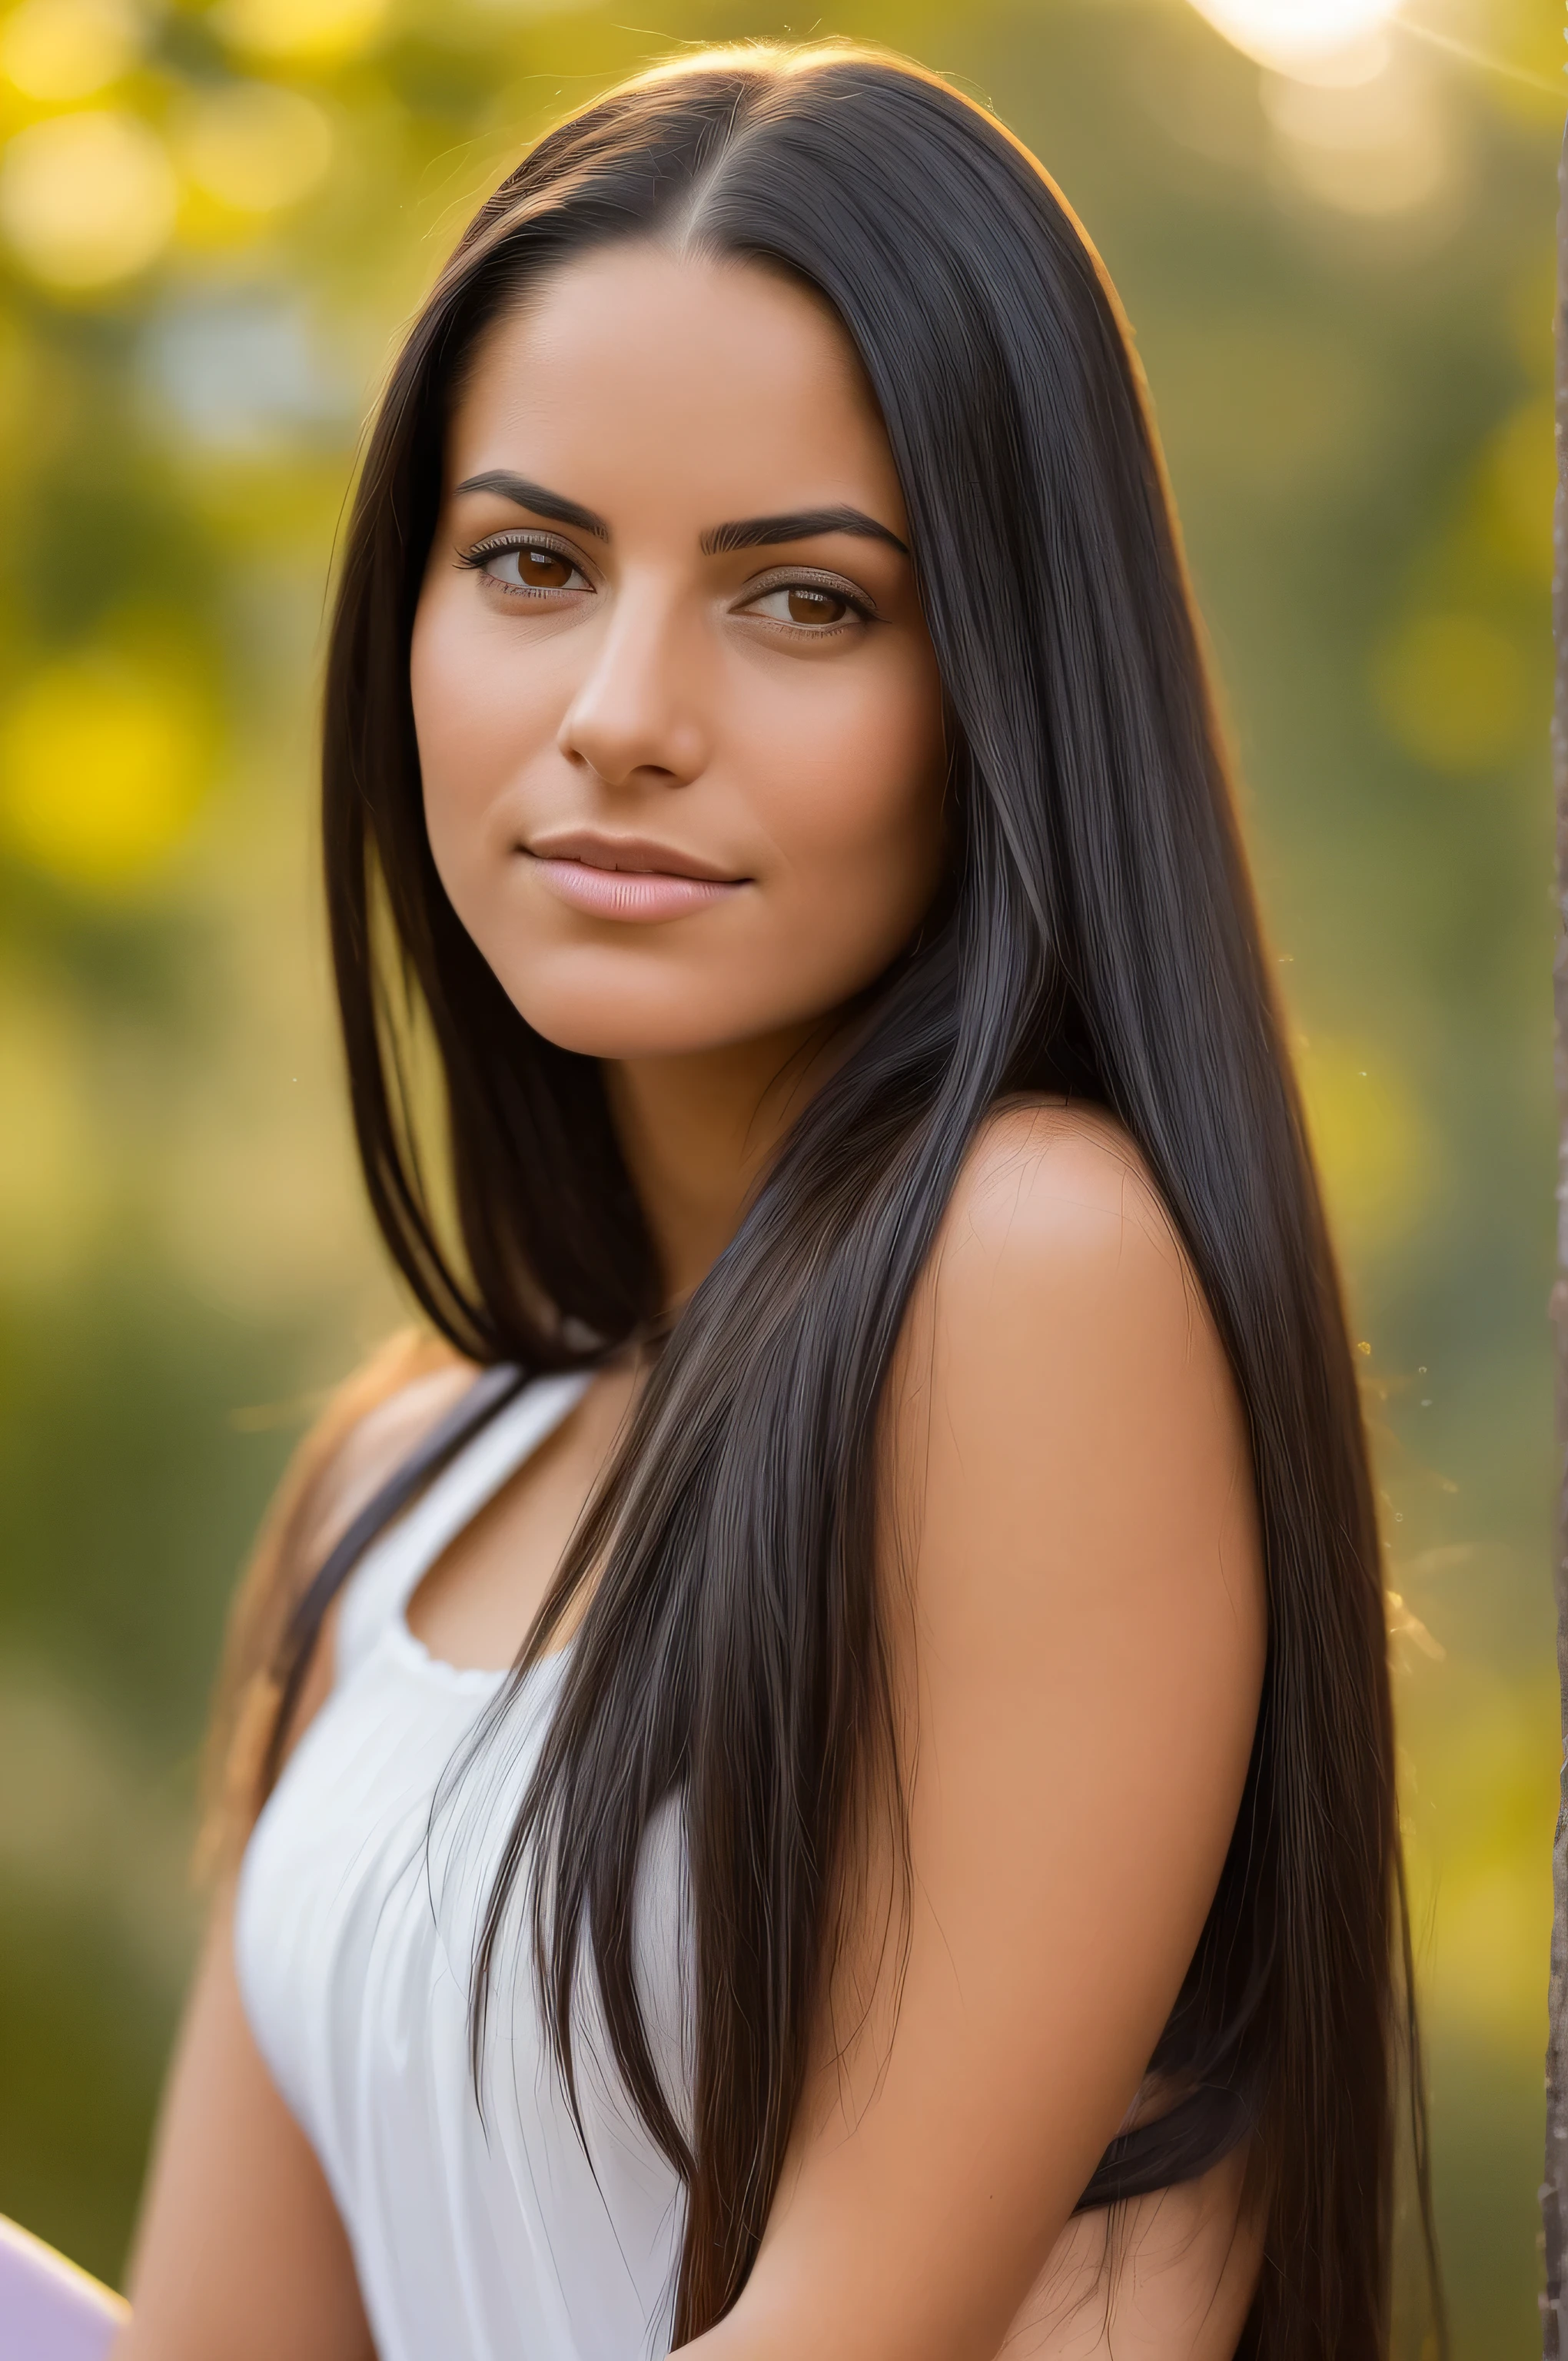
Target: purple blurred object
(48, 2310)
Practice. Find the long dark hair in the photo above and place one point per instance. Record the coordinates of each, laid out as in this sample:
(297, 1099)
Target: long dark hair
(1097, 936)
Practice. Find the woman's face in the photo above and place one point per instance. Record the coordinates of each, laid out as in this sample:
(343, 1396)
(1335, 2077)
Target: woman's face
(679, 720)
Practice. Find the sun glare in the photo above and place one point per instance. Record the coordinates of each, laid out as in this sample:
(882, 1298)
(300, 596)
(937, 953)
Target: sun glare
(1304, 36)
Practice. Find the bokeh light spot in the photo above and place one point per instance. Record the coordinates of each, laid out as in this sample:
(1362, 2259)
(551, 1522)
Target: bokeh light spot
(324, 29)
(86, 200)
(1451, 690)
(63, 49)
(103, 761)
(256, 148)
(1375, 147)
(1374, 1144)
(52, 1178)
(1519, 478)
(1298, 36)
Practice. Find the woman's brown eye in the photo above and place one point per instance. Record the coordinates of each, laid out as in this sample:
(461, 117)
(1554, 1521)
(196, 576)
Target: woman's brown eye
(812, 607)
(543, 569)
(816, 607)
(532, 567)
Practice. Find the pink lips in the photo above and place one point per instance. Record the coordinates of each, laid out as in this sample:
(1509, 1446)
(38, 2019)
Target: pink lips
(590, 882)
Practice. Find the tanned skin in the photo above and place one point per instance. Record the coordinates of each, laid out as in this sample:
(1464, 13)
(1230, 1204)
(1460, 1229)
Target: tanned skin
(606, 682)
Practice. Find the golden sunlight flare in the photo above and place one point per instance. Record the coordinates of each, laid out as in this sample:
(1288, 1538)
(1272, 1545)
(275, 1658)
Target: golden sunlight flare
(1314, 38)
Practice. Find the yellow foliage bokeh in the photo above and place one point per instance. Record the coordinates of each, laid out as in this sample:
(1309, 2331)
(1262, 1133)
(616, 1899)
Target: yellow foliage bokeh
(53, 1185)
(102, 760)
(1374, 1146)
(62, 50)
(255, 146)
(87, 199)
(1452, 690)
(308, 30)
(1519, 480)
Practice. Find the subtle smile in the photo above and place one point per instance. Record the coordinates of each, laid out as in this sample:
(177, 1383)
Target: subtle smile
(628, 878)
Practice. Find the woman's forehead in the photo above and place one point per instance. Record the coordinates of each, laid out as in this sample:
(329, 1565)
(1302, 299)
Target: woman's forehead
(711, 381)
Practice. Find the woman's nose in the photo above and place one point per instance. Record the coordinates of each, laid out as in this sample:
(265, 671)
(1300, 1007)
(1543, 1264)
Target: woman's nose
(636, 713)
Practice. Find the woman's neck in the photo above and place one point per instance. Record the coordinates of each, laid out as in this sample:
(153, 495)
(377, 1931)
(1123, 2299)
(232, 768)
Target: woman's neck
(697, 1132)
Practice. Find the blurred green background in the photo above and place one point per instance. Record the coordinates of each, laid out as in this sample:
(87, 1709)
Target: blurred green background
(213, 221)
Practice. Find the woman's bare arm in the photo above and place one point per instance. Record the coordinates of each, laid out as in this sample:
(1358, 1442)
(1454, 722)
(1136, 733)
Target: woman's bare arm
(1085, 1661)
(240, 2255)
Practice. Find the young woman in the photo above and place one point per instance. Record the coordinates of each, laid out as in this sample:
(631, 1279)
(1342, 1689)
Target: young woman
(823, 1761)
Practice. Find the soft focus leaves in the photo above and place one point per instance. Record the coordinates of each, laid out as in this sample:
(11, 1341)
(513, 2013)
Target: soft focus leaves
(256, 148)
(87, 199)
(1379, 1159)
(103, 757)
(313, 32)
(63, 49)
(1453, 691)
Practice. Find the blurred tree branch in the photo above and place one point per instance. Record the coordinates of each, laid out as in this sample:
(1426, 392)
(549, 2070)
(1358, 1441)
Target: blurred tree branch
(1554, 2189)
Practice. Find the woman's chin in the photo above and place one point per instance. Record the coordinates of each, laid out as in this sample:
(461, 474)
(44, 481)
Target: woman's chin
(624, 1030)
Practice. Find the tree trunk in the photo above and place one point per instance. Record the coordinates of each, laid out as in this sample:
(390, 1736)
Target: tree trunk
(1554, 2192)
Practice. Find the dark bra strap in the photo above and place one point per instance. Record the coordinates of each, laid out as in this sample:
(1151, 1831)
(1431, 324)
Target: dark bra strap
(489, 1394)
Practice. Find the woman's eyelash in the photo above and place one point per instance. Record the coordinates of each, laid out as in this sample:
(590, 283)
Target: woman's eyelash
(500, 543)
(829, 586)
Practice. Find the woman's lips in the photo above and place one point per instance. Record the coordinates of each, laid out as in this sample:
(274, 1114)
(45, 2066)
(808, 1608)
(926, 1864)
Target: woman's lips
(641, 896)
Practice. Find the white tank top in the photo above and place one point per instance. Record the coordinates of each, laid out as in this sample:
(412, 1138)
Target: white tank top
(489, 2238)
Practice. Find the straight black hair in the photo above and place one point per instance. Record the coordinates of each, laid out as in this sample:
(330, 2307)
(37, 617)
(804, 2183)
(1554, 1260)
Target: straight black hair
(1098, 937)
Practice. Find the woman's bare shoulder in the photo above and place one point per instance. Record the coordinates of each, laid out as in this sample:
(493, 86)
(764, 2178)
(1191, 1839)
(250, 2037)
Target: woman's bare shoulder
(368, 1429)
(1047, 1180)
(364, 1429)
(1062, 1369)
(1056, 1247)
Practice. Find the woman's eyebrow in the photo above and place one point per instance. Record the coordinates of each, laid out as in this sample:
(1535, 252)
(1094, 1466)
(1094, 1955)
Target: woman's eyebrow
(743, 532)
(537, 498)
(804, 524)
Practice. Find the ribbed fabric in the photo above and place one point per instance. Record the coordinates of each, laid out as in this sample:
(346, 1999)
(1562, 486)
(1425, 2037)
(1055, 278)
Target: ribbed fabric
(490, 2237)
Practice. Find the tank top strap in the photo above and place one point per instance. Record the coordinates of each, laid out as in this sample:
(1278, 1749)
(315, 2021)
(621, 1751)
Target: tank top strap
(392, 1569)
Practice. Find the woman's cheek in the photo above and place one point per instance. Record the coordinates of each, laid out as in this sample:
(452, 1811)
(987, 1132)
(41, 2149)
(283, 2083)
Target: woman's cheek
(442, 686)
(476, 720)
(861, 808)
